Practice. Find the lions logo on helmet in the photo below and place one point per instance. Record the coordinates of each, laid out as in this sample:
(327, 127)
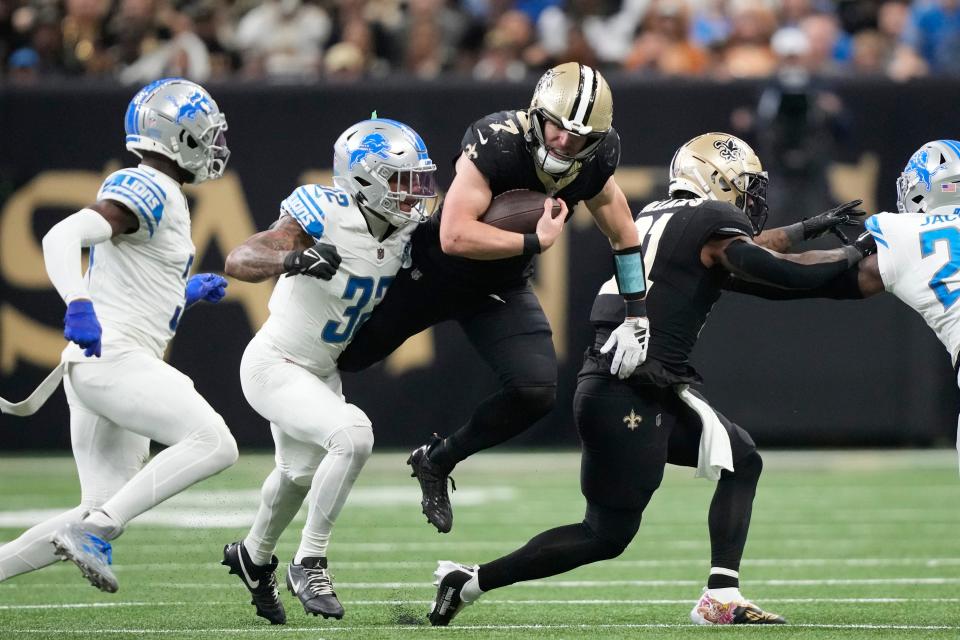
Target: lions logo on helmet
(178, 119)
(575, 98)
(931, 178)
(719, 166)
(385, 166)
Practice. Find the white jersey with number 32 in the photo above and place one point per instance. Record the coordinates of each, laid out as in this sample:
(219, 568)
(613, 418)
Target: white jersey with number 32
(311, 320)
(137, 280)
(919, 259)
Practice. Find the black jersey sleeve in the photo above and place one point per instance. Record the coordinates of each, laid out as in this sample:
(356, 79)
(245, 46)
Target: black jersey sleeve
(718, 219)
(494, 143)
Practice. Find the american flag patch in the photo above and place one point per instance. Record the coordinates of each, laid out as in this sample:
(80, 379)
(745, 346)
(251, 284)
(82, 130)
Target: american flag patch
(949, 187)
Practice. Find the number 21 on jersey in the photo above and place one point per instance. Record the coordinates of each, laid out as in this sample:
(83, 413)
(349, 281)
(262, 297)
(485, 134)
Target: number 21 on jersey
(650, 229)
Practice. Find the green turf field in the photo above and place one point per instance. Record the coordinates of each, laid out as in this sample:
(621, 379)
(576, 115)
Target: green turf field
(844, 545)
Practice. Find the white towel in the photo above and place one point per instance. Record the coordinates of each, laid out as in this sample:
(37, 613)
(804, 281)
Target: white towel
(32, 404)
(715, 452)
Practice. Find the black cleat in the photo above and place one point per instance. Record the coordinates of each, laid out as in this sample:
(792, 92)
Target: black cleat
(435, 503)
(451, 577)
(260, 581)
(313, 585)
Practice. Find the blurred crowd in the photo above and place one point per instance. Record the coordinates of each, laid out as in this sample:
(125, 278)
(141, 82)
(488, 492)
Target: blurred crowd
(136, 41)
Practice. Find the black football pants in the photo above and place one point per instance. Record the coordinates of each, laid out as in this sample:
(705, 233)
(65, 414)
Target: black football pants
(629, 433)
(509, 331)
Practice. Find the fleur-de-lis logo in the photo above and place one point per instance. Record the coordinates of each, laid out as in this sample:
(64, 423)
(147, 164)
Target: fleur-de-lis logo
(729, 150)
(632, 420)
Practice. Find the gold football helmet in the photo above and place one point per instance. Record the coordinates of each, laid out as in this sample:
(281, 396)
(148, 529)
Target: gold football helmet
(575, 98)
(719, 166)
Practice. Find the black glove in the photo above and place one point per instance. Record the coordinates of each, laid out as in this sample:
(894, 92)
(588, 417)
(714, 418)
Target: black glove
(866, 244)
(319, 261)
(831, 220)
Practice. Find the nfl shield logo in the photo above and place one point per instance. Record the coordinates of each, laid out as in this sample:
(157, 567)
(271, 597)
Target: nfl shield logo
(380, 253)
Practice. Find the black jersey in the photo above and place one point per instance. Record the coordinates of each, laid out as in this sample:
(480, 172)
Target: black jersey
(497, 146)
(682, 290)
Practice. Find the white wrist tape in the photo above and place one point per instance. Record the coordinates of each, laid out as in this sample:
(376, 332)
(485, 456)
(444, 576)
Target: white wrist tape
(61, 250)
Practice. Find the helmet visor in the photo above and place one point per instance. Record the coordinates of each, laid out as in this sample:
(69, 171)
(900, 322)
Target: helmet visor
(753, 186)
(414, 190)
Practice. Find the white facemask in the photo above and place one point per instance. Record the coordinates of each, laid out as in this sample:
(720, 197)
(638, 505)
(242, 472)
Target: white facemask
(551, 164)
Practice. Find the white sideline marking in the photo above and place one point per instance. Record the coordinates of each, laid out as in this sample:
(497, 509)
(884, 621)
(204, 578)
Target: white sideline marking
(236, 508)
(494, 601)
(475, 627)
(564, 584)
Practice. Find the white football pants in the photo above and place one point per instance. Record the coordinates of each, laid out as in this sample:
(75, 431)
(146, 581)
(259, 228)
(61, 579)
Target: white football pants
(117, 407)
(322, 443)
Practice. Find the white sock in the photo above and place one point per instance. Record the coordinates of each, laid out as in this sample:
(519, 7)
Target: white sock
(32, 550)
(107, 528)
(471, 589)
(347, 451)
(280, 499)
(726, 595)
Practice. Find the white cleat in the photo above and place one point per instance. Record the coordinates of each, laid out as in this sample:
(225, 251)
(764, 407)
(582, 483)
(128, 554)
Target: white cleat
(709, 610)
(91, 553)
(450, 578)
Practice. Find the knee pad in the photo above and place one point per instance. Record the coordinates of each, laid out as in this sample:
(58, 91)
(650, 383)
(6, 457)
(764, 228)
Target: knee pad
(747, 468)
(221, 442)
(534, 402)
(613, 528)
(355, 442)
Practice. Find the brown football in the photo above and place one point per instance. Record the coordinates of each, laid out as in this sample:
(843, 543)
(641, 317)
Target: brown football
(518, 210)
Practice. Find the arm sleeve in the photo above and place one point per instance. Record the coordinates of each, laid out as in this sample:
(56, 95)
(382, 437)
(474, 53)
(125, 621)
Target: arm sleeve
(846, 286)
(61, 250)
(304, 207)
(755, 263)
(137, 191)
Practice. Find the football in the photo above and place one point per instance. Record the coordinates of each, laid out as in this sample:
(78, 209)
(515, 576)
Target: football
(518, 210)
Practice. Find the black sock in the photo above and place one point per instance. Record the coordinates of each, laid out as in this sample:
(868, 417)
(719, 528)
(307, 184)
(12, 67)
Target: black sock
(730, 512)
(722, 581)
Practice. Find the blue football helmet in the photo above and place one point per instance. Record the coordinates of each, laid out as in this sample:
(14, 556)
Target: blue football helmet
(178, 119)
(385, 166)
(931, 178)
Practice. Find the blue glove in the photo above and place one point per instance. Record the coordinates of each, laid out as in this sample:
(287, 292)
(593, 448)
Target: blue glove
(206, 286)
(80, 325)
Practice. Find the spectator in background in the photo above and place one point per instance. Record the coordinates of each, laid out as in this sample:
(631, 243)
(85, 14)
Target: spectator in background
(504, 49)
(344, 62)
(22, 67)
(283, 39)
(663, 46)
(828, 46)
(165, 41)
(933, 32)
(84, 50)
(212, 25)
(747, 53)
(796, 125)
(871, 54)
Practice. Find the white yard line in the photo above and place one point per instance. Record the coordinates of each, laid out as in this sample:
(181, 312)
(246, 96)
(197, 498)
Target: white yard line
(566, 584)
(471, 628)
(490, 601)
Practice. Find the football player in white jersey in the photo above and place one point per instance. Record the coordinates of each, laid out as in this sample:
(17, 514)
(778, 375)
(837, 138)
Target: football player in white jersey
(338, 249)
(917, 249)
(120, 316)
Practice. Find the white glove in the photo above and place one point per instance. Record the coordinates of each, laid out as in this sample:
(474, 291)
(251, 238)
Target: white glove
(630, 339)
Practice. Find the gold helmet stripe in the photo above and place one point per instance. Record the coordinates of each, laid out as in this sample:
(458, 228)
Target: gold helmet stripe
(584, 102)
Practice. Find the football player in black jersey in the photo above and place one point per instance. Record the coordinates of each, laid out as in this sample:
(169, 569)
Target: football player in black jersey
(565, 146)
(630, 429)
